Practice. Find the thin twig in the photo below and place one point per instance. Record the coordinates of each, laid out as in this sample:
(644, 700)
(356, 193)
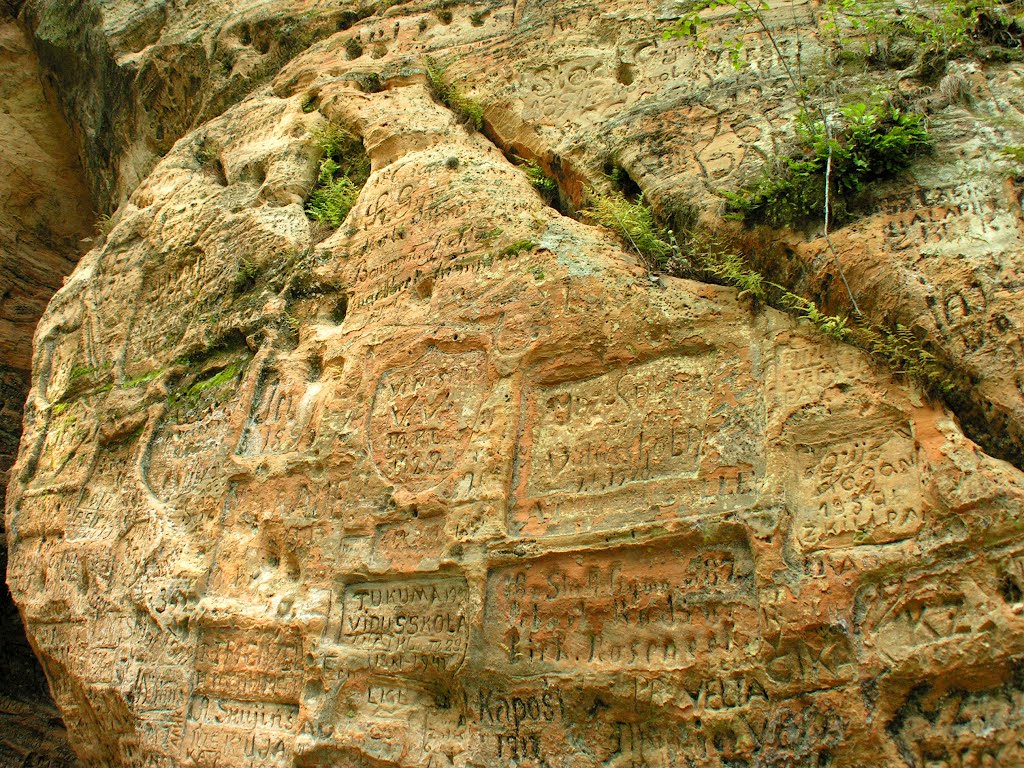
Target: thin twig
(799, 42)
(800, 91)
(828, 240)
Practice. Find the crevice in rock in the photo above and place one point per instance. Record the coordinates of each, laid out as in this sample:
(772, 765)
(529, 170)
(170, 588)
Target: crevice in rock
(342, 172)
(556, 180)
(45, 216)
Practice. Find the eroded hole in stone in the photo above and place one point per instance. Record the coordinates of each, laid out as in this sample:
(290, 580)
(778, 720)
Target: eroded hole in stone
(1011, 591)
(622, 180)
(343, 170)
(310, 101)
(340, 311)
(207, 155)
(370, 82)
(353, 48)
(316, 367)
(254, 173)
(624, 73)
(425, 288)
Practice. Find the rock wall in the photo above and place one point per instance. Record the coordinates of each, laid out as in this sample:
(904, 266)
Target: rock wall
(459, 483)
(44, 213)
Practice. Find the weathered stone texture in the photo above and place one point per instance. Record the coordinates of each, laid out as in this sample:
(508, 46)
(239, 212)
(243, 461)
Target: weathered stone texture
(44, 211)
(459, 484)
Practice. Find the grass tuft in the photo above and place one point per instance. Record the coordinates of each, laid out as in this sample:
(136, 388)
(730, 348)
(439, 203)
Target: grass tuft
(468, 110)
(635, 223)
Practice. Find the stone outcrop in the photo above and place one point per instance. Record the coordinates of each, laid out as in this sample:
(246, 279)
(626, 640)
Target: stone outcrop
(459, 483)
(44, 214)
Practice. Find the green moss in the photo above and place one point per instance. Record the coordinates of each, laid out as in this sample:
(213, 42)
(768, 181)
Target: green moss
(1014, 153)
(516, 248)
(141, 379)
(81, 371)
(211, 381)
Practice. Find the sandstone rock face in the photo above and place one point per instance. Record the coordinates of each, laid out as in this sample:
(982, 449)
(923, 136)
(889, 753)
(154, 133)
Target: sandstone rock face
(459, 484)
(44, 213)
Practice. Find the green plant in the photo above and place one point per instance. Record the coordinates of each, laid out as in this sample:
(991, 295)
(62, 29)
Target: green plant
(344, 169)
(1014, 153)
(309, 103)
(947, 29)
(539, 180)
(245, 275)
(691, 27)
(732, 270)
(837, 162)
(469, 111)
(477, 18)
(104, 223)
(635, 223)
(705, 256)
(331, 202)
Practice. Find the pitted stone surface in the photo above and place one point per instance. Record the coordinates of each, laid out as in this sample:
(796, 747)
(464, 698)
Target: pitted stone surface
(459, 485)
(43, 214)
